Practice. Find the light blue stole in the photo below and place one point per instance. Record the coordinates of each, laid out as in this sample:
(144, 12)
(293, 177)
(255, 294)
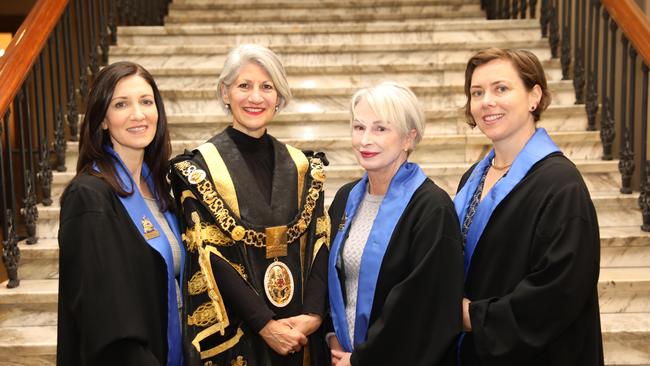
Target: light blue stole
(406, 181)
(138, 209)
(538, 147)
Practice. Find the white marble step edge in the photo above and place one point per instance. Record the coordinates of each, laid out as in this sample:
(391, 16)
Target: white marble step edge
(555, 86)
(414, 25)
(359, 68)
(284, 49)
(289, 4)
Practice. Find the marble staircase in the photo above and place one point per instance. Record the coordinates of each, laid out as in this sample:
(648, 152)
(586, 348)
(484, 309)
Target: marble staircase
(330, 49)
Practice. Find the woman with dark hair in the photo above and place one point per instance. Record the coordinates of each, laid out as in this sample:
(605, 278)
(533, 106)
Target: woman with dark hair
(120, 257)
(530, 230)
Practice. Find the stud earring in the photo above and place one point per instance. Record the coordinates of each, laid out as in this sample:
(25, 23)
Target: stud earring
(532, 108)
(228, 106)
(277, 108)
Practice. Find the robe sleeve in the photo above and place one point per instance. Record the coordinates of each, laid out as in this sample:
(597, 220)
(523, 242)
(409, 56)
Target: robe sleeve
(563, 277)
(250, 307)
(316, 289)
(421, 317)
(99, 301)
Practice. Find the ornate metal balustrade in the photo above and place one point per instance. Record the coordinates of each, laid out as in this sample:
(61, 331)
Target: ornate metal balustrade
(45, 74)
(604, 45)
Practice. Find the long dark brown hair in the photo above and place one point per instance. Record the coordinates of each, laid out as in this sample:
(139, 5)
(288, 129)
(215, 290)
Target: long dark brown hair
(95, 160)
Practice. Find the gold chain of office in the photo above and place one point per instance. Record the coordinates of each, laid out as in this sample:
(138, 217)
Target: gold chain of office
(228, 224)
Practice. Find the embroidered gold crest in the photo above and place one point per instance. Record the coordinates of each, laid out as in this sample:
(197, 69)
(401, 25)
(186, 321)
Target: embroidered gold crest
(343, 220)
(196, 176)
(239, 361)
(149, 230)
(278, 284)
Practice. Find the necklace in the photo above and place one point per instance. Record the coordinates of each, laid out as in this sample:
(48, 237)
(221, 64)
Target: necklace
(502, 167)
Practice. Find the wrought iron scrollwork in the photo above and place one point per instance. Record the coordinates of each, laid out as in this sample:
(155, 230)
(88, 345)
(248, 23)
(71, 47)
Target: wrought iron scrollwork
(533, 9)
(565, 58)
(60, 143)
(644, 198)
(544, 18)
(10, 251)
(626, 163)
(29, 210)
(592, 103)
(607, 129)
(554, 37)
(579, 76)
(44, 174)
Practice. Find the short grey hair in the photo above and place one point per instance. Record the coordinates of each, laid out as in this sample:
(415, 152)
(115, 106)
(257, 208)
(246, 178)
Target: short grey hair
(259, 55)
(395, 104)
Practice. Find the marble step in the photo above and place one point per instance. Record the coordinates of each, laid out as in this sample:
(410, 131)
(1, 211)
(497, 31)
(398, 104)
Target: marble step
(621, 247)
(346, 70)
(460, 148)
(291, 4)
(28, 346)
(601, 177)
(343, 60)
(438, 50)
(320, 100)
(33, 303)
(624, 246)
(39, 261)
(626, 338)
(325, 14)
(333, 33)
(625, 341)
(624, 290)
(337, 124)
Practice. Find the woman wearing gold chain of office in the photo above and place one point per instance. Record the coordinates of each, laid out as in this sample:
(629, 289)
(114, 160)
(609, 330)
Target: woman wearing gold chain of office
(255, 230)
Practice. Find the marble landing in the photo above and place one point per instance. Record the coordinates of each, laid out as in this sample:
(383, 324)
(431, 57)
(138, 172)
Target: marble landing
(373, 13)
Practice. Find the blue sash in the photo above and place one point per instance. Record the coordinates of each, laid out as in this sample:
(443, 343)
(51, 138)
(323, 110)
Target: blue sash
(138, 209)
(406, 181)
(538, 147)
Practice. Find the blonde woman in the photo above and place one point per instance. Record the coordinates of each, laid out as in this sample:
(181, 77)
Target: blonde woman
(395, 268)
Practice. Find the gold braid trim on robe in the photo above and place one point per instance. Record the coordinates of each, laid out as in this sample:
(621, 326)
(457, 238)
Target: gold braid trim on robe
(199, 235)
(218, 311)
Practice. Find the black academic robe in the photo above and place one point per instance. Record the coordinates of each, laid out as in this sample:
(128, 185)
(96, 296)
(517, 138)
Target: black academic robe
(112, 284)
(534, 274)
(234, 300)
(416, 314)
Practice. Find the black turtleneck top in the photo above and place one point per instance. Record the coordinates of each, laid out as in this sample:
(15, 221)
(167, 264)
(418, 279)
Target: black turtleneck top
(259, 156)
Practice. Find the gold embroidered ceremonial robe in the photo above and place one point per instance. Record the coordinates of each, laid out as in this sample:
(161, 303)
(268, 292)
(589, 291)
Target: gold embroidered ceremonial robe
(249, 260)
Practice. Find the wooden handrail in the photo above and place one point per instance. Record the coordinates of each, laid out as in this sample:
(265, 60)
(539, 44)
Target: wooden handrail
(26, 46)
(633, 23)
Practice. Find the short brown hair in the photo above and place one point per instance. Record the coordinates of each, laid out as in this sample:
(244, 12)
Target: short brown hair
(528, 68)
